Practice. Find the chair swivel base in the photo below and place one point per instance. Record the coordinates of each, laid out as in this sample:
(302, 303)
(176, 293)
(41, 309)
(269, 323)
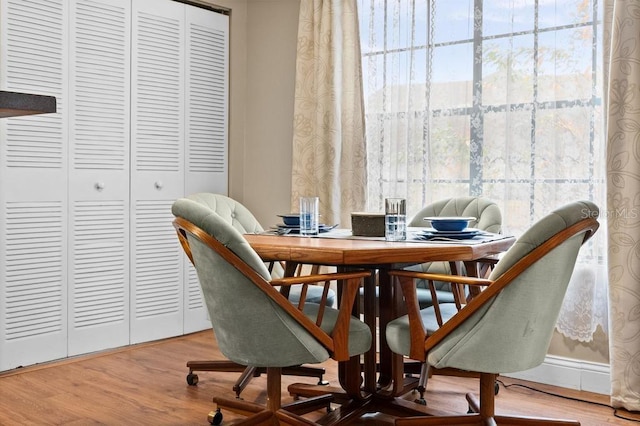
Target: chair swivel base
(248, 372)
(274, 412)
(482, 412)
(419, 384)
(305, 390)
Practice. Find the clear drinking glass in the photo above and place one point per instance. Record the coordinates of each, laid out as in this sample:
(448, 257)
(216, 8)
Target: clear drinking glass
(395, 219)
(309, 207)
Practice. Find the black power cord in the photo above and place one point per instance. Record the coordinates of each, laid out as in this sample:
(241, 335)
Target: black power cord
(615, 410)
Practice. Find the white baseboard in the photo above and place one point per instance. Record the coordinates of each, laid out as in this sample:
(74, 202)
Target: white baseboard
(569, 373)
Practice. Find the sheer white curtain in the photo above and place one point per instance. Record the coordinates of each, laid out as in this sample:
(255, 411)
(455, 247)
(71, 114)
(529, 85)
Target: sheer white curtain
(493, 98)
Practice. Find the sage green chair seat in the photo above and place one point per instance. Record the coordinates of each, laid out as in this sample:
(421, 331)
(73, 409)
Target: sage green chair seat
(508, 326)
(254, 324)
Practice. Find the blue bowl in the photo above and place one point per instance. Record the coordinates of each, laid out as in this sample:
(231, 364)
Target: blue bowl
(292, 219)
(449, 224)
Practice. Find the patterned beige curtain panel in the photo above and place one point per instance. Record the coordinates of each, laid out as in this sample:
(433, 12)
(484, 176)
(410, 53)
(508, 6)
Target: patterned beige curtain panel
(622, 18)
(328, 136)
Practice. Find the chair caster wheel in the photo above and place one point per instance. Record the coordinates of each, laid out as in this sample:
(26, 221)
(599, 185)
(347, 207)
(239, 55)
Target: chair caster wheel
(323, 383)
(421, 401)
(192, 379)
(215, 417)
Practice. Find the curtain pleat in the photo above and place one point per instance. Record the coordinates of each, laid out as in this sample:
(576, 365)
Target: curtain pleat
(623, 199)
(329, 159)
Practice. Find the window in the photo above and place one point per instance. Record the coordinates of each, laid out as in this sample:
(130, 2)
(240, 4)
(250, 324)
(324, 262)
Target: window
(495, 98)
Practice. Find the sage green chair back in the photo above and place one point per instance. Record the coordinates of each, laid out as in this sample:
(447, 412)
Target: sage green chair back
(488, 218)
(486, 212)
(241, 218)
(251, 329)
(232, 211)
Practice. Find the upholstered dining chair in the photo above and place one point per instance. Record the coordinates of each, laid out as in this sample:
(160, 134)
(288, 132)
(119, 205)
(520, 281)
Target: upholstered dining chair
(254, 323)
(508, 326)
(487, 218)
(241, 218)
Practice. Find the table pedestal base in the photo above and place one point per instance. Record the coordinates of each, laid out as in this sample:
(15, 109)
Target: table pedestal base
(378, 409)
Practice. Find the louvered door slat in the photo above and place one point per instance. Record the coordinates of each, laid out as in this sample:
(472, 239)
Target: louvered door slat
(99, 293)
(206, 129)
(33, 280)
(71, 183)
(194, 292)
(99, 176)
(34, 61)
(158, 89)
(156, 279)
(100, 124)
(207, 106)
(157, 175)
(33, 176)
(99, 266)
(207, 93)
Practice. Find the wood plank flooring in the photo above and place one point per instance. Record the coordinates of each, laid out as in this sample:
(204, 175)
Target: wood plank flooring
(145, 385)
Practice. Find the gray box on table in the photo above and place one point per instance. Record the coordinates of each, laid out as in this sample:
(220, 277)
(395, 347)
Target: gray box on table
(367, 224)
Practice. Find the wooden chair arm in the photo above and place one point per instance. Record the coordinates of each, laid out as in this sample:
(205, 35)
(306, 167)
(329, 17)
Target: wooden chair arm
(340, 334)
(314, 279)
(407, 284)
(418, 332)
(310, 279)
(457, 279)
(489, 260)
(339, 337)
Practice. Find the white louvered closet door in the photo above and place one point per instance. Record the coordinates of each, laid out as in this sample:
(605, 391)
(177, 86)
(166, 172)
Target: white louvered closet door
(89, 259)
(99, 174)
(33, 186)
(206, 128)
(157, 168)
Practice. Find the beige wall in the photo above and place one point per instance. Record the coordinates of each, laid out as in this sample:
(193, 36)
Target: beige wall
(272, 37)
(262, 73)
(262, 76)
(595, 351)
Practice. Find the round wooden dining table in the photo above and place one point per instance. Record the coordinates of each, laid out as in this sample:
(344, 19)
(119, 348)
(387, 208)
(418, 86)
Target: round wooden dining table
(383, 370)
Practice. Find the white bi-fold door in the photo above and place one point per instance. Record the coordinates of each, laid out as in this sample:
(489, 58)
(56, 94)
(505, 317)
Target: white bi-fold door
(88, 258)
(178, 146)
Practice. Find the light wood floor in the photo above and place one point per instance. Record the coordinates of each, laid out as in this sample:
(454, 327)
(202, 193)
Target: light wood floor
(145, 385)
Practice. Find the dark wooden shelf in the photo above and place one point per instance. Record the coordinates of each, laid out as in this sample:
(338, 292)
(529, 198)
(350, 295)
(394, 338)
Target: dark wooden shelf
(13, 104)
